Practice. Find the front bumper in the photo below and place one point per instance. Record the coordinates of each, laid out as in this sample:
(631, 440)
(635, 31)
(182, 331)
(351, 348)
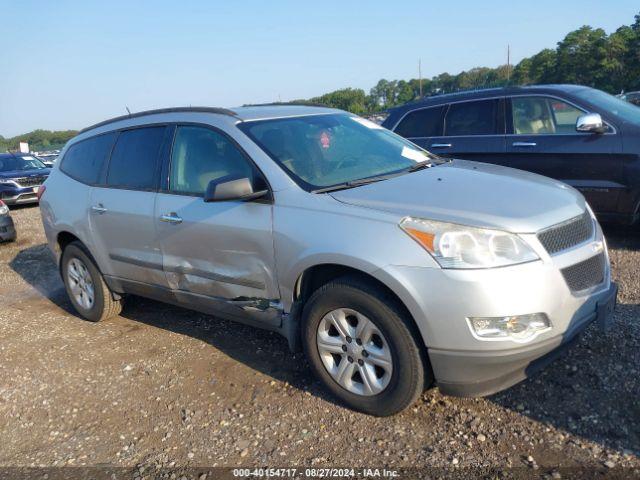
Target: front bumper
(7, 229)
(19, 195)
(476, 374)
(440, 301)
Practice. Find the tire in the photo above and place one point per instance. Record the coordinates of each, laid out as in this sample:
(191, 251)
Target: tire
(409, 370)
(103, 305)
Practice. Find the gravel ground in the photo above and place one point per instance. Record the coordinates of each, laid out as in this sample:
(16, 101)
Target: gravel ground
(161, 386)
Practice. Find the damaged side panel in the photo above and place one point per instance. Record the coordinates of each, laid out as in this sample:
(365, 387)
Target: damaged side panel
(223, 252)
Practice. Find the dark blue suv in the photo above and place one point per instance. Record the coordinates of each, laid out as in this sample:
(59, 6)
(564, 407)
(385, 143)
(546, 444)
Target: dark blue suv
(20, 177)
(581, 136)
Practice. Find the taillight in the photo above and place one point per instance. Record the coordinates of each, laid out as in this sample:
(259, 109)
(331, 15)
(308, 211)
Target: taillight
(41, 191)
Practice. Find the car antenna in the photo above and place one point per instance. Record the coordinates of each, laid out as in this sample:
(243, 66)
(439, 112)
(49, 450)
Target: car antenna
(128, 111)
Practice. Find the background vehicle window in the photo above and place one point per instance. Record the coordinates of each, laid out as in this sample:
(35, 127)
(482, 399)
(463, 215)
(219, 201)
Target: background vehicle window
(84, 160)
(11, 162)
(472, 118)
(134, 161)
(565, 116)
(427, 122)
(543, 116)
(200, 155)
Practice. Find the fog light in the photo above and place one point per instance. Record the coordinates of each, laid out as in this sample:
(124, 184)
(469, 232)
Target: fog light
(518, 328)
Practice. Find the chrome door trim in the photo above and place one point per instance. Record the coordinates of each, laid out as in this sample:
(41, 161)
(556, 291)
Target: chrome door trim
(569, 102)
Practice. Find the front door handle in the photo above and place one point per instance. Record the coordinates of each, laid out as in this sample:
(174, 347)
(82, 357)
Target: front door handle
(441, 145)
(171, 218)
(525, 144)
(99, 209)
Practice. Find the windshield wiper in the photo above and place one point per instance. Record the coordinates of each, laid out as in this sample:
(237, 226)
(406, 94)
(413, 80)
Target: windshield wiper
(353, 183)
(420, 166)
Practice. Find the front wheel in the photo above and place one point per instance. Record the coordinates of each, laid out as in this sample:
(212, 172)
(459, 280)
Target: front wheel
(362, 346)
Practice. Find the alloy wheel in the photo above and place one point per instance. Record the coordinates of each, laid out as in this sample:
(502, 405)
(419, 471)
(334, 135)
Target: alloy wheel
(354, 352)
(80, 283)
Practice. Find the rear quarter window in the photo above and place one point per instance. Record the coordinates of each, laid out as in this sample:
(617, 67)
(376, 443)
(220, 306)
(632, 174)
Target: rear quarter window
(84, 160)
(426, 122)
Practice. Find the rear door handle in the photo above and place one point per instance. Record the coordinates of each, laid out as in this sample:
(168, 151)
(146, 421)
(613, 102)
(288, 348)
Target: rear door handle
(525, 144)
(99, 209)
(441, 145)
(171, 218)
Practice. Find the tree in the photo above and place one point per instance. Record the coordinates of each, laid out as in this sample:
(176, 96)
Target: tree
(350, 99)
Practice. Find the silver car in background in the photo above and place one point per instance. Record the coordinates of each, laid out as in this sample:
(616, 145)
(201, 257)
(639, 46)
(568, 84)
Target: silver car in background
(392, 269)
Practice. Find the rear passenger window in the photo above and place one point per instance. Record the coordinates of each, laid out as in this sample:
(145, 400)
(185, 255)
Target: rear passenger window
(472, 118)
(134, 161)
(84, 160)
(427, 122)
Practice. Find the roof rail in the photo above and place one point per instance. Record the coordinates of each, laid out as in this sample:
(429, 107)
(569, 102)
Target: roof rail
(221, 111)
(294, 103)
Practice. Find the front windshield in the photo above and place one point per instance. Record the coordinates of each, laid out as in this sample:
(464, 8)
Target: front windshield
(625, 110)
(9, 164)
(321, 151)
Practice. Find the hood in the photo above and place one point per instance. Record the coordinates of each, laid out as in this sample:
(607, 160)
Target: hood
(26, 173)
(472, 193)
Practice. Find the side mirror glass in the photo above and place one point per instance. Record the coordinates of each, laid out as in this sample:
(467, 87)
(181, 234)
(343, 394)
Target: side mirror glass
(227, 188)
(591, 123)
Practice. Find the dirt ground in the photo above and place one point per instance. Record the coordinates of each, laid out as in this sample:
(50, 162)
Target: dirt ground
(161, 386)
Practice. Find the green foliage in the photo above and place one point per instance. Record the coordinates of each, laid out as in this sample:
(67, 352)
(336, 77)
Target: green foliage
(38, 140)
(350, 99)
(587, 56)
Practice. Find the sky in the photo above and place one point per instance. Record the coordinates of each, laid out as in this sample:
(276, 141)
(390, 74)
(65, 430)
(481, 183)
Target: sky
(67, 64)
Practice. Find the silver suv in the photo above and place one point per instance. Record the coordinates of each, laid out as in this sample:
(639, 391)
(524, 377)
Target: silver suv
(392, 269)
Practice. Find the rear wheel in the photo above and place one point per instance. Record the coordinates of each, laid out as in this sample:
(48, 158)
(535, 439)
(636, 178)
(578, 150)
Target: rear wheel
(85, 286)
(361, 344)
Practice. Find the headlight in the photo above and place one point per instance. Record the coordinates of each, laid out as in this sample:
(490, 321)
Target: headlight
(459, 246)
(519, 328)
(3, 208)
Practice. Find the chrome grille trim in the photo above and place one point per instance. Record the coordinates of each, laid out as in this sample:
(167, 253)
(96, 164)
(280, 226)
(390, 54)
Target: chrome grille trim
(566, 235)
(586, 274)
(34, 181)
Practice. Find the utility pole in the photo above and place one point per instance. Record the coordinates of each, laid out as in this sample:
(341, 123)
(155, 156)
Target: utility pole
(420, 75)
(508, 63)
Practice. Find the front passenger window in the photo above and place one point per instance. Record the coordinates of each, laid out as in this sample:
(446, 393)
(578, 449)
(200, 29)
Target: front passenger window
(543, 116)
(200, 155)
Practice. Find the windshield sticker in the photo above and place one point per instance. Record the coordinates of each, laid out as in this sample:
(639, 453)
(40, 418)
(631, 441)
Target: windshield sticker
(367, 123)
(28, 158)
(325, 140)
(411, 154)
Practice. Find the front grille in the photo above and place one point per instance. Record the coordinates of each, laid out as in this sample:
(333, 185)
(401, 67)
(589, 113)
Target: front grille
(30, 181)
(567, 234)
(585, 274)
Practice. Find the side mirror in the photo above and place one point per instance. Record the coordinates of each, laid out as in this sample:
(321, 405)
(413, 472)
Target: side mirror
(232, 188)
(591, 123)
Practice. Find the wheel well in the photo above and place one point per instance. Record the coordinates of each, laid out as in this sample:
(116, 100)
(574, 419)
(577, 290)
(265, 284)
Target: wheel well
(317, 276)
(65, 238)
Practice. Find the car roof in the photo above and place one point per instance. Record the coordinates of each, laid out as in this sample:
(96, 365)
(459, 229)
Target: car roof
(12, 155)
(487, 93)
(242, 114)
